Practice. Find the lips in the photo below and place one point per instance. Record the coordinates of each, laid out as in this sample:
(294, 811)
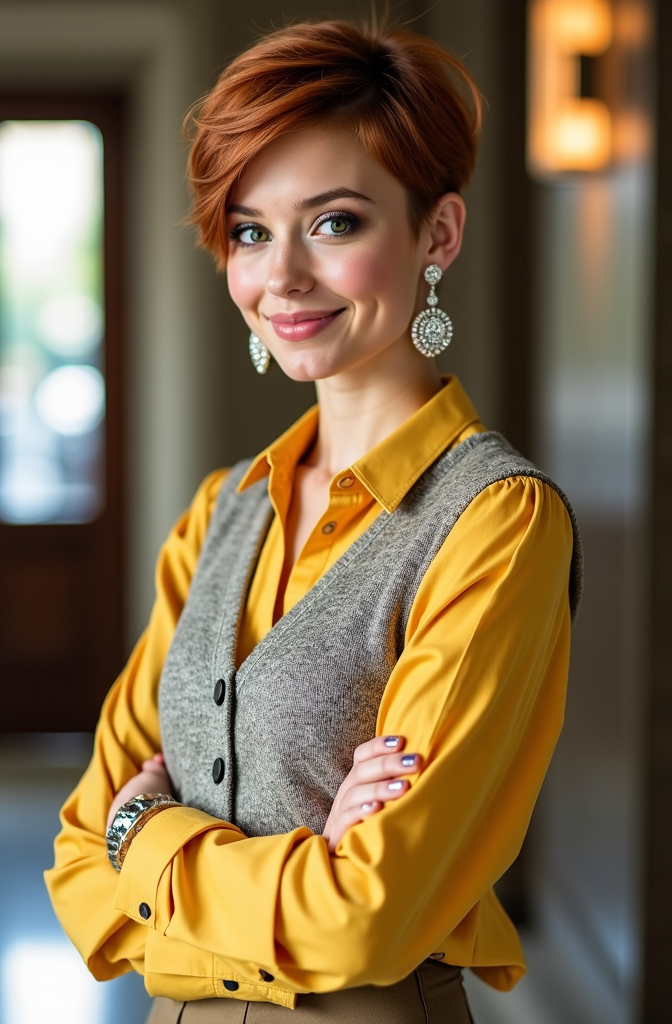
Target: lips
(303, 324)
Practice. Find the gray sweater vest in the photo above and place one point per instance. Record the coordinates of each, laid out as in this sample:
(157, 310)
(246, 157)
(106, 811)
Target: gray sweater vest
(270, 749)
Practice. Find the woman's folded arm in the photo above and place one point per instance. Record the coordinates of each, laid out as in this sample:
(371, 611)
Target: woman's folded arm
(479, 691)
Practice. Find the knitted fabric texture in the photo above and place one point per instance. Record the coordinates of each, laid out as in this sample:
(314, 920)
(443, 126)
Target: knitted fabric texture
(309, 692)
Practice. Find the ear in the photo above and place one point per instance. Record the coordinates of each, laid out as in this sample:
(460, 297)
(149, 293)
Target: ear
(446, 229)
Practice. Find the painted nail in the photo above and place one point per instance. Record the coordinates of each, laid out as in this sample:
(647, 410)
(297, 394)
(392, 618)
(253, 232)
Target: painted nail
(408, 760)
(392, 741)
(367, 807)
(395, 786)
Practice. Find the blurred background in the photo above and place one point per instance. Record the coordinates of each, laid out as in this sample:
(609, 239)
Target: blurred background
(124, 379)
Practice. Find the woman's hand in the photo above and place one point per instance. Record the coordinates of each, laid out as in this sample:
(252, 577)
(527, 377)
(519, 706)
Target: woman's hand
(152, 779)
(372, 781)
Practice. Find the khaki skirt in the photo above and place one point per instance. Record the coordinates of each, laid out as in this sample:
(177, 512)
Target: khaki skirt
(432, 994)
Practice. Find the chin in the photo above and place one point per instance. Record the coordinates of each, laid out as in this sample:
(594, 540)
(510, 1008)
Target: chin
(310, 366)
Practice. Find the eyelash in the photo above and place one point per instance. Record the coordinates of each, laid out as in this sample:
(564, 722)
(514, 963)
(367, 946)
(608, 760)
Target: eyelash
(351, 219)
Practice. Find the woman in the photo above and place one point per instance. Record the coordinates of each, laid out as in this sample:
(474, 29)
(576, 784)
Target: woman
(388, 582)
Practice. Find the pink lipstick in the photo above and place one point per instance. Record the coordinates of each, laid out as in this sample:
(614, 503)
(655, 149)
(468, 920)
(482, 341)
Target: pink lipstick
(303, 324)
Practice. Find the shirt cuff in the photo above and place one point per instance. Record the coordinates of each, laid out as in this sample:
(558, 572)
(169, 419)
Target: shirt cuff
(149, 855)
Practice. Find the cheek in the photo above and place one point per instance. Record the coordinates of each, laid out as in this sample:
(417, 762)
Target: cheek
(379, 276)
(244, 284)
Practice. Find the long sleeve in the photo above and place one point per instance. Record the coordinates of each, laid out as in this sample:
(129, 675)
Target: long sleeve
(127, 734)
(479, 690)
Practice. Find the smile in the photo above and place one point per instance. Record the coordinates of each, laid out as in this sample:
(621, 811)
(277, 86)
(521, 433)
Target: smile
(302, 325)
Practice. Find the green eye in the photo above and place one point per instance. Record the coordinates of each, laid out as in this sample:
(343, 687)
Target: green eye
(336, 225)
(250, 235)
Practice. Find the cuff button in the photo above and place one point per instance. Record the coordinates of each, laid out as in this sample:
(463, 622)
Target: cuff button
(144, 911)
(266, 976)
(231, 986)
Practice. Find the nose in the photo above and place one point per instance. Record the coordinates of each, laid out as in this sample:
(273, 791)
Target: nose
(289, 272)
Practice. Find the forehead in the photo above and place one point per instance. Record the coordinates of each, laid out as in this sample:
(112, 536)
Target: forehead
(310, 162)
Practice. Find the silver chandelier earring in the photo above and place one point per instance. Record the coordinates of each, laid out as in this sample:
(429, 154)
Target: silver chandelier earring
(432, 329)
(259, 354)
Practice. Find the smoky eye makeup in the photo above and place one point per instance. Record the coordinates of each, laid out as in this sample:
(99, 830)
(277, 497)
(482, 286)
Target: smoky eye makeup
(338, 223)
(334, 224)
(249, 234)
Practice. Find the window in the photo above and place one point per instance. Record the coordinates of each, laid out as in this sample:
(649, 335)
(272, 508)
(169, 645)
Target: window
(52, 386)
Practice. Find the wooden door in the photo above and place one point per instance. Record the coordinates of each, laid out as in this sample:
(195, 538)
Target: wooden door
(61, 565)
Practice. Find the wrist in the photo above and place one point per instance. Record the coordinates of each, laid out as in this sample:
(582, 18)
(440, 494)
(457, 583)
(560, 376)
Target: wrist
(130, 819)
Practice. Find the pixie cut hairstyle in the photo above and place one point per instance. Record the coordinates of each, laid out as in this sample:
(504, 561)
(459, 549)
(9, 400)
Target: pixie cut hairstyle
(411, 105)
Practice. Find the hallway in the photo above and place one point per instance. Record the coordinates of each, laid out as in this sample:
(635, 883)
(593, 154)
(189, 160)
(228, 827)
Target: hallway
(563, 339)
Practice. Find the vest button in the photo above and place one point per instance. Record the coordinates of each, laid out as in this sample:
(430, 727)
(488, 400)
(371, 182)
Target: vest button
(218, 770)
(346, 481)
(265, 976)
(328, 527)
(231, 986)
(220, 690)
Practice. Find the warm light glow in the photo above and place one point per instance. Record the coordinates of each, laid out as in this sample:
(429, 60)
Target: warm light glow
(583, 135)
(582, 26)
(566, 132)
(633, 23)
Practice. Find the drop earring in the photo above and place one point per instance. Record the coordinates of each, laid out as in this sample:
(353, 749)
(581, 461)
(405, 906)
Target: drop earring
(259, 354)
(432, 329)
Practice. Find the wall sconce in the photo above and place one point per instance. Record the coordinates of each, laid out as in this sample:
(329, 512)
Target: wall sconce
(567, 131)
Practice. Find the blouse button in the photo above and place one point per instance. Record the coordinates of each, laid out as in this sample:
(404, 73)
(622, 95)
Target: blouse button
(144, 911)
(220, 690)
(231, 986)
(328, 527)
(346, 481)
(218, 770)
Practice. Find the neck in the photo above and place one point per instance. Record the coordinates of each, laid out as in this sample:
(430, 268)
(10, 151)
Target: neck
(363, 406)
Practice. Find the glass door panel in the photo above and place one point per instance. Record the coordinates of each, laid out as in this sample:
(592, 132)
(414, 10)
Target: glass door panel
(52, 386)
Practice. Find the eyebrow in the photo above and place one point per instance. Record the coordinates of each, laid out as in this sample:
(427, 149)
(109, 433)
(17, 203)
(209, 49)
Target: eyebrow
(327, 197)
(306, 204)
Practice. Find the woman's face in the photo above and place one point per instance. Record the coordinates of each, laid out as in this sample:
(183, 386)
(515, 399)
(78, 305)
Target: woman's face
(323, 263)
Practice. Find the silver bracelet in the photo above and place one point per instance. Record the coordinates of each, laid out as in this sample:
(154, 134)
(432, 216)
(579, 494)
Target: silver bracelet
(130, 819)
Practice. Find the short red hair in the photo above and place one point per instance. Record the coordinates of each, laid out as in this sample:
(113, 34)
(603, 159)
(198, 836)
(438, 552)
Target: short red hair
(413, 107)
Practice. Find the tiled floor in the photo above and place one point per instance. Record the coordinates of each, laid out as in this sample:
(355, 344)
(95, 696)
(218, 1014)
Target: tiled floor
(43, 981)
(42, 978)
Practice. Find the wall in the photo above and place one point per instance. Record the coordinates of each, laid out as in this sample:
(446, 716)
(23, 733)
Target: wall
(470, 291)
(593, 417)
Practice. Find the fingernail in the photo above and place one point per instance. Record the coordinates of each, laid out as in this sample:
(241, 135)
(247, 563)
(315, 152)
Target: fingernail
(367, 807)
(408, 760)
(392, 741)
(394, 786)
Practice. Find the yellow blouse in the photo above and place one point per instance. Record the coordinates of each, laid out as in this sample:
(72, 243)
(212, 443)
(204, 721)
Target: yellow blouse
(479, 691)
